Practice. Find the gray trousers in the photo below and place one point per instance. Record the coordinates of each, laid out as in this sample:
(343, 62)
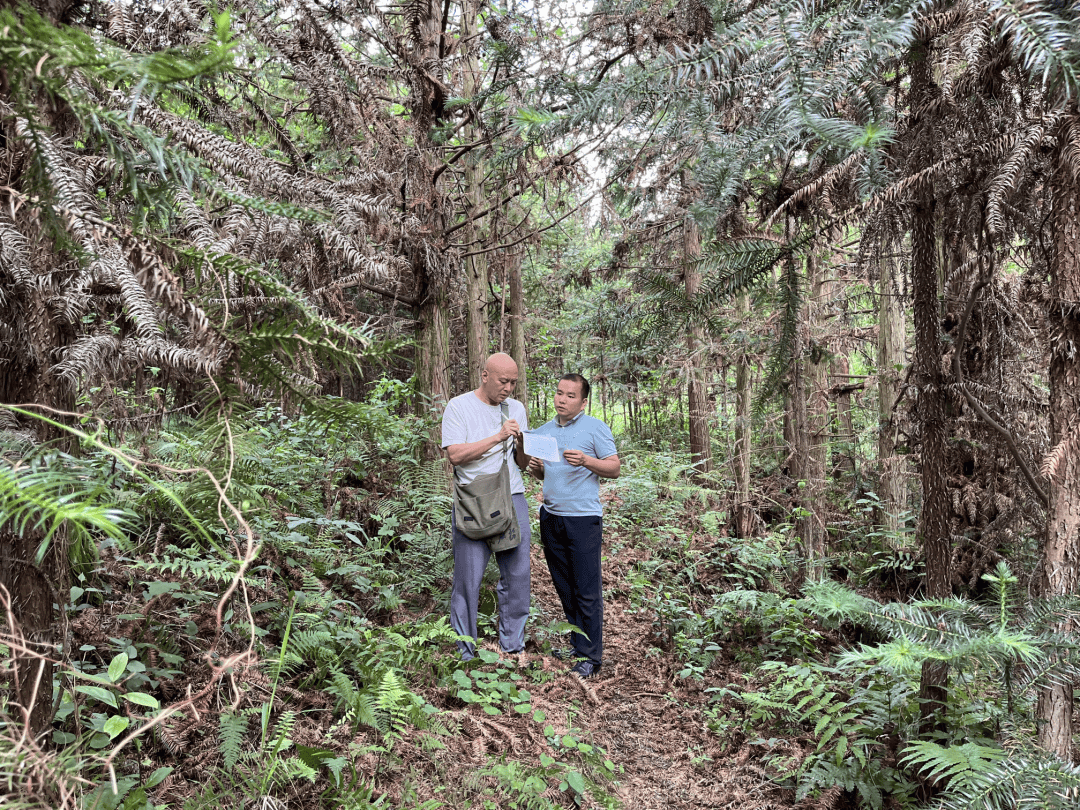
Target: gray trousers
(470, 559)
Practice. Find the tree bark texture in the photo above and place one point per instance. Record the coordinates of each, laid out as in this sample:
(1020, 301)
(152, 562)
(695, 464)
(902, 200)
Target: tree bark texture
(844, 425)
(476, 267)
(931, 404)
(696, 383)
(1060, 562)
(892, 337)
(431, 266)
(743, 510)
(31, 600)
(817, 416)
(518, 349)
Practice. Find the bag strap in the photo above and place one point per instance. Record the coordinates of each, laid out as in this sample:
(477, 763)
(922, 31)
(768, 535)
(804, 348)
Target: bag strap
(506, 418)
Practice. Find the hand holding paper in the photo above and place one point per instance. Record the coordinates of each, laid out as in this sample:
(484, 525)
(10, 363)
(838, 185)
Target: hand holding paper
(544, 448)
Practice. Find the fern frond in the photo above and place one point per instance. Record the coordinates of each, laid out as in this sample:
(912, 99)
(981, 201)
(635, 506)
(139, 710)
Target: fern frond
(43, 498)
(1044, 42)
(232, 728)
(1016, 783)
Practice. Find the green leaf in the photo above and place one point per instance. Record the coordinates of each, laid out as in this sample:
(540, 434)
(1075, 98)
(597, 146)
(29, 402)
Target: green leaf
(96, 692)
(115, 726)
(158, 776)
(313, 757)
(539, 716)
(118, 666)
(576, 781)
(142, 699)
(158, 588)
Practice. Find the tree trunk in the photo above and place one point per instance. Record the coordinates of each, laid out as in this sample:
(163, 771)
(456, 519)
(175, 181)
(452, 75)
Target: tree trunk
(517, 325)
(892, 490)
(696, 394)
(476, 267)
(844, 433)
(743, 511)
(817, 419)
(476, 303)
(1060, 563)
(430, 266)
(933, 521)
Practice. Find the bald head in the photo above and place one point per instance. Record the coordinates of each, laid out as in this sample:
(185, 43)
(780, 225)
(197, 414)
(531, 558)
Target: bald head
(498, 379)
(500, 361)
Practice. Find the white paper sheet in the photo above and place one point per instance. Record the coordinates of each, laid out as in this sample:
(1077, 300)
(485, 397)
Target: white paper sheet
(544, 448)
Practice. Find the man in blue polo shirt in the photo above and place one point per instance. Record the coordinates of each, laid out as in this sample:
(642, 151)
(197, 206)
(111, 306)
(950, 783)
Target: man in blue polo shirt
(571, 527)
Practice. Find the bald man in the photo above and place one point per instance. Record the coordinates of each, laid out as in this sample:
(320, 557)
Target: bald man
(476, 439)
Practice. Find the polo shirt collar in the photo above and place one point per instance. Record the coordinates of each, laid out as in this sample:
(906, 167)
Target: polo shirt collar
(571, 421)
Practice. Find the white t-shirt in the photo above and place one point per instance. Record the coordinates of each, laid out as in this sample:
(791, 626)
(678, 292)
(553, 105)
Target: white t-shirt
(468, 418)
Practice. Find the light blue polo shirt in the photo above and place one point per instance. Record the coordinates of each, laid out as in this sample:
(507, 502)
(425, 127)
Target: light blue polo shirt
(575, 491)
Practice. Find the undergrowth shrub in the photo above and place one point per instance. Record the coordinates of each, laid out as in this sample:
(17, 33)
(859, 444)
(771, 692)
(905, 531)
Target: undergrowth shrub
(859, 713)
(850, 726)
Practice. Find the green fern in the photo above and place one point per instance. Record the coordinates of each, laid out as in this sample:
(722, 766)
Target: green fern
(52, 492)
(279, 738)
(185, 564)
(1033, 782)
(959, 766)
(232, 728)
(394, 703)
(1017, 638)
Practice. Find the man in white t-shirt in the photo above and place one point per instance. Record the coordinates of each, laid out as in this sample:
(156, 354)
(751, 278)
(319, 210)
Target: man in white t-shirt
(476, 439)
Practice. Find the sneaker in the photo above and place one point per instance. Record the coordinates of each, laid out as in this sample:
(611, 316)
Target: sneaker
(563, 653)
(585, 669)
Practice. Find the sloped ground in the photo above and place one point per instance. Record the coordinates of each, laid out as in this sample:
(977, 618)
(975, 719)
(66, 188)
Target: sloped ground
(649, 721)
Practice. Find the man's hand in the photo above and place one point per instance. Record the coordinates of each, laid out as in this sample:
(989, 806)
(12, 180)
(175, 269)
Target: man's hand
(536, 467)
(604, 467)
(575, 458)
(470, 451)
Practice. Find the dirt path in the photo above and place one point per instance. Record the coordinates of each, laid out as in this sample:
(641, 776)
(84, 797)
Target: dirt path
(650, 722)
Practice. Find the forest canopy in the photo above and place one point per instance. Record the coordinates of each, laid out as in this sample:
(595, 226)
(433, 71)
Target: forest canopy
(819, 260)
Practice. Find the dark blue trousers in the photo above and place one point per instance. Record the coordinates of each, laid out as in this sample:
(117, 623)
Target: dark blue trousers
(572, 551)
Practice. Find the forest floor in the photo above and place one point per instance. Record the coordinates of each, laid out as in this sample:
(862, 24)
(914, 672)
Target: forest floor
(637, 736)
(650, 722)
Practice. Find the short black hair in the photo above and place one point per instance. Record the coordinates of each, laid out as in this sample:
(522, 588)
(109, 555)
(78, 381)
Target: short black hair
(572, 377)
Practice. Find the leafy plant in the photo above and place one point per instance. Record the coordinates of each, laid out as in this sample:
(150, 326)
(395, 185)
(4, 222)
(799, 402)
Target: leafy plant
(492, 689)
(847, 723)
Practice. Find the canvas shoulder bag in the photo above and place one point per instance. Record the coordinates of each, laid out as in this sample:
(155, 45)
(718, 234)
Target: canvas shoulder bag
(484, 508)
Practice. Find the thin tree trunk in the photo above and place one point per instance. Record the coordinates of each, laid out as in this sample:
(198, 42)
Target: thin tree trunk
(933, 522)
(844, 433)
(433, 322)
(476, 284)
(476, 267)
(817, 419)
(517, 325)
(892, 335)
(743, 510)
(697, 399)
(1060, 563)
